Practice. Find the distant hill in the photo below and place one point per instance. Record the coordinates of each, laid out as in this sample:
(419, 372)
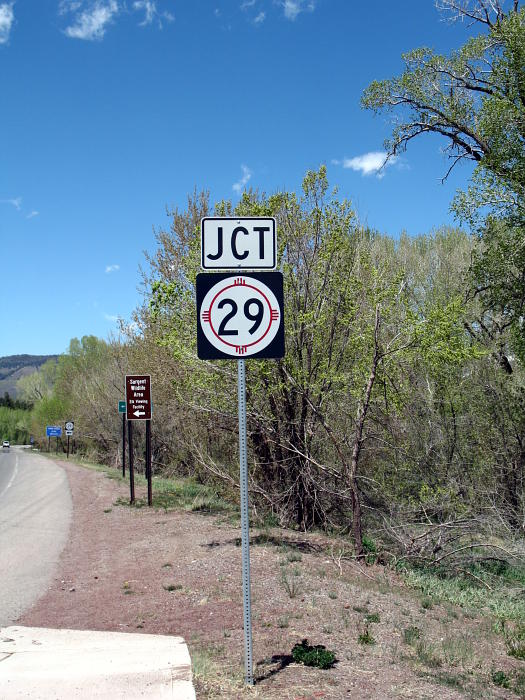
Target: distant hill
(13, 367)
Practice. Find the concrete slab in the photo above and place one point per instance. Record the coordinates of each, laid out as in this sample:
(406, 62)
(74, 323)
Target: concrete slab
(45, 664)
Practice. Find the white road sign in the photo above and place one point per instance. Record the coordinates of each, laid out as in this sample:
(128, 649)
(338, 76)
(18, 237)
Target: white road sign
(240, 315)
(238, 243)
(69, 433)
(70, 425)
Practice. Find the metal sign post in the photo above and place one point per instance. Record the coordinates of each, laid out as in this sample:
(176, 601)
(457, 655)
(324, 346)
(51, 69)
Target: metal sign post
(245, 524)
(131, 474)
(148, 462)
(122, 409)
(240, 315)
(70, 426)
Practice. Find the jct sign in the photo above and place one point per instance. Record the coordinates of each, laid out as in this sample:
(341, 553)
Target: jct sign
(138, 397)
(240, 315)
(242, 244)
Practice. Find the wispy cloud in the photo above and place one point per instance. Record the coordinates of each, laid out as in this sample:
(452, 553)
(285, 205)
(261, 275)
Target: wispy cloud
(241, 184)
(111, 317)
(246, 4)
(293, 8)
(260, 18)
(91, 23)
(32, 214)
(372, 163)
(112, 268)
(16, 202)
(7, 17)
(151, 13)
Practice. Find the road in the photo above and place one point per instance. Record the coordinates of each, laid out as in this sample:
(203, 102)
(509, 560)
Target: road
(35, 513)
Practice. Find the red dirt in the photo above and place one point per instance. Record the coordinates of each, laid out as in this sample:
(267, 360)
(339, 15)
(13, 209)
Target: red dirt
(118, 562)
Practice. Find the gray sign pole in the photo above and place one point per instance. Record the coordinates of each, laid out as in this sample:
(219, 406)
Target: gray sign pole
(245, 524)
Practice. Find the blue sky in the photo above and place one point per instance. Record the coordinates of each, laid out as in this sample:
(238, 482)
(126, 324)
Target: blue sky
(113, 110)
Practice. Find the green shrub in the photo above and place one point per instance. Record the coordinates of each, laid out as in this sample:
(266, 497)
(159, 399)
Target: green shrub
(500, 678)
(308, 655)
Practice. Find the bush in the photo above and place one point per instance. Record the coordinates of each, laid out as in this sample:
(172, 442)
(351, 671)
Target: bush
(308, 655)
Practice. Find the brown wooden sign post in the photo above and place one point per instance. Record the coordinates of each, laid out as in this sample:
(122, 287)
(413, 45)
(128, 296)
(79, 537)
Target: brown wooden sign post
(138, 407)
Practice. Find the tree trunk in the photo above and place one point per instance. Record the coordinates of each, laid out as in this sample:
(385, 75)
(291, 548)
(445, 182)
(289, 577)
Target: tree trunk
(357, 529)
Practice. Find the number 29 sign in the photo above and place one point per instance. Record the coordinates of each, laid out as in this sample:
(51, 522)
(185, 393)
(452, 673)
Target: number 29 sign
(240, 315)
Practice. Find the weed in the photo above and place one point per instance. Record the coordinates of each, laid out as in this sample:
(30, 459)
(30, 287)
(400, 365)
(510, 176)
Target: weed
(426, 603)
(227, 634)
(500, 678)
(514, 640)
(426, 654)
(519, 685)
(450, 680)
(294, 556)
(332, 595)
(283, 622)
(457, 650)
(370, 549)
(291, 585)
(372, 617)
(167, 565)
(327, 629)
(411, 635)
(108, 510)
(366, 638)
(308, 655)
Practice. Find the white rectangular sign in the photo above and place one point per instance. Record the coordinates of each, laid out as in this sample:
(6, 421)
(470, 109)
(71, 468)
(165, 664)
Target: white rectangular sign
(229, 243)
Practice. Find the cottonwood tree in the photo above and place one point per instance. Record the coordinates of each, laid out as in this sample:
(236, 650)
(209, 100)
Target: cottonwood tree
(474, 99)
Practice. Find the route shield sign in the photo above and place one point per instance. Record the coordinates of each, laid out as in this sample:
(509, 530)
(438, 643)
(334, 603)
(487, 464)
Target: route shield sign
(240, 315)
(70, 425)
(138, 397)
(238, 243)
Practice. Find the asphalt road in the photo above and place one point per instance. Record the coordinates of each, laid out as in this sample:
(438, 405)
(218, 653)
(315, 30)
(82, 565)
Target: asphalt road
(35, 513)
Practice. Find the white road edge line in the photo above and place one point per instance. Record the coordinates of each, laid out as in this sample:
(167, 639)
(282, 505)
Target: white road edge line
(12, 478)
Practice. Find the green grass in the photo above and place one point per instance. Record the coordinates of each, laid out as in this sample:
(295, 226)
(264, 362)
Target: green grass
(411, 635)
(180, 494)
(365, 638)
(492, 589)
(372, 617)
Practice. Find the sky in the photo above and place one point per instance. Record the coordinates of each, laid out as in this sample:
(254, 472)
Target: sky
(113, 111)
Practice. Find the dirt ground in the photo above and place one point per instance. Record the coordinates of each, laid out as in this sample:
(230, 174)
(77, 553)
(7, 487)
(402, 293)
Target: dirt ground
(151, 571)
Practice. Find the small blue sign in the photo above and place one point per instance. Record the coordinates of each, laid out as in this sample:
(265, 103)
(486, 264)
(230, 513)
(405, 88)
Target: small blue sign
(53, 431)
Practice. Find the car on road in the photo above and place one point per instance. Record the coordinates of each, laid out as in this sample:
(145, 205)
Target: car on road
(5, 445)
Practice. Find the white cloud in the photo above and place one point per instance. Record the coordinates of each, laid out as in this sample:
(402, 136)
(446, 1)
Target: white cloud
(292, 8)
(247, 3)
(246, 175)
(151, 12)
(90, 24)
(32, 214)
(110, 317)
(7, 17)
(150, 9)
(112, 268)
(368, 164)
(260, 18)
(16, 202)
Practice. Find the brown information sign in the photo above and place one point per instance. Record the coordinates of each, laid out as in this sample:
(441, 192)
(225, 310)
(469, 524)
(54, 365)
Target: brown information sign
(138, 397)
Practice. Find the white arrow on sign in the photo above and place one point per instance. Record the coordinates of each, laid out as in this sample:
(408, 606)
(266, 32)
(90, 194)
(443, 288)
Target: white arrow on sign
(139, 413)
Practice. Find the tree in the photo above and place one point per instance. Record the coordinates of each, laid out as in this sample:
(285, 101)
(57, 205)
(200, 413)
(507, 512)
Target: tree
(475, 100)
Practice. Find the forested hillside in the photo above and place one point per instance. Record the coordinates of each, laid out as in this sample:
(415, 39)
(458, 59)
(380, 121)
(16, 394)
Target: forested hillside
(13, 367)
